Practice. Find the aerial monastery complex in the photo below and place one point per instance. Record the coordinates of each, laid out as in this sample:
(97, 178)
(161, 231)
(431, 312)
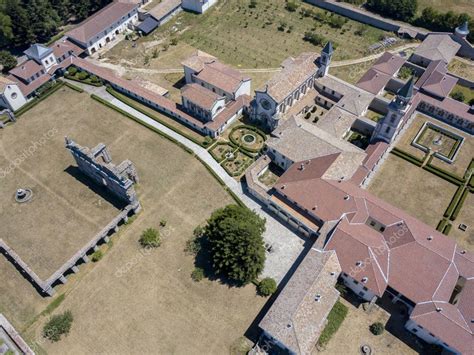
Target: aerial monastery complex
(321, 176)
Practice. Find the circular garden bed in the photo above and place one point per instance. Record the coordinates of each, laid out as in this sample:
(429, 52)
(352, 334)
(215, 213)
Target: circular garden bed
(248, 138)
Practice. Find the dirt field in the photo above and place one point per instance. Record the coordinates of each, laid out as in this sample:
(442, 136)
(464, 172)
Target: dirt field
(65, 213)
(134, 301)
(354, 332)
(466, 216)
(245, 37)
(461, 69)
(465, 153)
(412, 189)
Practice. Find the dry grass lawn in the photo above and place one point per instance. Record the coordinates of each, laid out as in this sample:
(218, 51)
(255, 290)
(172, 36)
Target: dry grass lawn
(354, 332)
(443, 6)
(466, 216)
(465, 153)
(351, 73)
(134, 301)
(245, 37)
(461, 69)
(413, 189)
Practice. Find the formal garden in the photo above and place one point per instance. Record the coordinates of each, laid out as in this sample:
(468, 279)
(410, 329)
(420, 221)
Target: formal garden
(315, 113)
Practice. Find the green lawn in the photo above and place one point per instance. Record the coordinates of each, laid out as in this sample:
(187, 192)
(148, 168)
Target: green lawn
(468, 93)
(335, 319)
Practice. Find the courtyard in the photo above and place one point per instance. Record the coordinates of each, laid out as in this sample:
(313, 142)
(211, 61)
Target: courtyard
(412, 189)
(148, 295)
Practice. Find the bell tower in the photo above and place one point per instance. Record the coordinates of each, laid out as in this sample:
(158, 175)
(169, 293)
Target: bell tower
(325, 59)
(388, 126)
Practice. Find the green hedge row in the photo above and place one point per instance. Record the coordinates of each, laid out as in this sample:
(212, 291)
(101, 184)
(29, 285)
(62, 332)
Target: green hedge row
(454, 202)
(335, 318)
(447, 229)
(37, 100)
(85, 81)
(454, 179)
(459, 204)
(251, 128)
(205, 143)
(74, 87)
(441, 225)
(408, 157)
(213, 173)
(214, 155)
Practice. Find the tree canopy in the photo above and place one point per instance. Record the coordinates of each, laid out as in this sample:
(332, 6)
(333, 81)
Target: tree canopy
(23, 22)
(236, 245)
(403, 10)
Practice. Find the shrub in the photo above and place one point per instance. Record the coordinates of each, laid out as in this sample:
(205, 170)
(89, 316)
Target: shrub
(308, 115)
(7, 60)
(291, 6)
(95, 79)
(459, 96)
(72, 71)
(253, 4)
(197, 274)
(267, 287)
(174, 41)
(57, 326)
(377, 328)
(314, 38)
(471, 102)
(82, 75)
(150, 238)
(405, 73)
(335, 318)
(96, 256)
(163, 223)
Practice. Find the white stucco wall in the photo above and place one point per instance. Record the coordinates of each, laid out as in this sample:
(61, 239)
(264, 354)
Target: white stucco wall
(358, 288)
(199, 6)
(12, 98)
(424, 334)
(244, 89)
(49, 61)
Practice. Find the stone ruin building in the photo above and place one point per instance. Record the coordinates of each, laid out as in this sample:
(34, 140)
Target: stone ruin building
(97, 164)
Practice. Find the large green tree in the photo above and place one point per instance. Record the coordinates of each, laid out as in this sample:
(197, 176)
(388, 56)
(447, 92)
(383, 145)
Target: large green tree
(235, 237)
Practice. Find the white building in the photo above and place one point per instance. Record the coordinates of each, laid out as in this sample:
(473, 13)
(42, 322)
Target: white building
(104, 26)
(202, 103)
(11, 96)
(198, 6)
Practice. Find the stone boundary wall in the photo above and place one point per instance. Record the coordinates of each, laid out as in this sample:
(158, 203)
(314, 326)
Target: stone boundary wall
(70, 265)
(14, 336)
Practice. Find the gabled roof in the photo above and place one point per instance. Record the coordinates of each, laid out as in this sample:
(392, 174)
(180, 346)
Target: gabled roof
(164, 8)
(435, 80)
(295, 71)
(4, 82)
(438, 47)
(26, 70)
(65, 46)
(299, 314)
(389, 63)
(101, 21)
(373, 81)
(200, 96)
(38, 51)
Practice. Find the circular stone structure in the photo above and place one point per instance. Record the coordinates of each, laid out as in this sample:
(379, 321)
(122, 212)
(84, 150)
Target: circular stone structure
(249, 138)
(23, 195)
(365, 349)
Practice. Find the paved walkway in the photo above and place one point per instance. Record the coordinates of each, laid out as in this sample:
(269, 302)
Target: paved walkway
(287, 246)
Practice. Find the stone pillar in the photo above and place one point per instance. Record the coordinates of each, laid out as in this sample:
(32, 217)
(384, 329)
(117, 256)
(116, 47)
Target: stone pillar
(62, 279)
(125, 219)
(95, 247)
(75, 269)
(137, 209)
(85, 258)
(106, 239)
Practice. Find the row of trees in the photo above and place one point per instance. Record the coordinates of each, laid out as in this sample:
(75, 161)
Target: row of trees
(406, 10)
(23, 22)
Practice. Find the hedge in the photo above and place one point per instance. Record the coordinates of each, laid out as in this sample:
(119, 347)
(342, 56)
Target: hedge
(454, 179)
(250, 128)
(132, 103)
(211, 151)
(459, 205)
(87, 81)
(447, 229)
(408, 157)
(454, 202)
(335, 318)
(74, 87)
(213, 173)
(37, 100)
(441, 225)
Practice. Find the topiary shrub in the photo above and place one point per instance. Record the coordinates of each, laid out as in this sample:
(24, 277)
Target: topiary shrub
(96, 256)
(150, 238)
(95, 79)
(267, 287)
(459, 96)
(57, 326)
(377, 328)
(163, 223)
(82, 75)
(72, 71)
(197, 274)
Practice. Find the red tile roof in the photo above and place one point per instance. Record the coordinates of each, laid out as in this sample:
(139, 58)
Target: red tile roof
(101, 21)
(27, 89)
(221, 76)
(389, 63)
(200, 96)
(373, 81)
(26, 70)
